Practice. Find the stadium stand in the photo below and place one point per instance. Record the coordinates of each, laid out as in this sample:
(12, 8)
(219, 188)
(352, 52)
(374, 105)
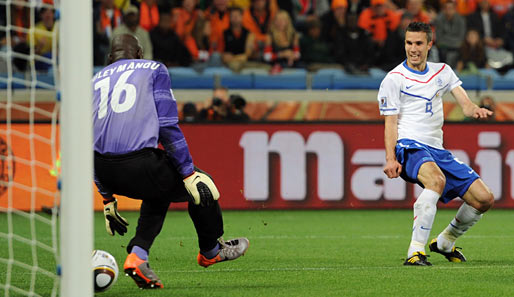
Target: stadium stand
(262, 75)
(505, 82)
(294, 78)
(289, 78)
(237, 81)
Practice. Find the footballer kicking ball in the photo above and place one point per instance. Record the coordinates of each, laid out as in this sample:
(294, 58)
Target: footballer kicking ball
(105, 270)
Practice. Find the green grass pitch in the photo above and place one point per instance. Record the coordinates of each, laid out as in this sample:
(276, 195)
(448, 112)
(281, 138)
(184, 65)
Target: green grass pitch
(307, 253)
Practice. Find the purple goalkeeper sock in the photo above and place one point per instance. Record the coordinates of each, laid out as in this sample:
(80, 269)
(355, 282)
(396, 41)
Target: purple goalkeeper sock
(140, 252)
(212, 253)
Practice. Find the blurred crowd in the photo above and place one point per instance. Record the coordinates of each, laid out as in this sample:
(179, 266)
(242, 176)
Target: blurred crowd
(276, 34)
(44, 23)
(312, 34)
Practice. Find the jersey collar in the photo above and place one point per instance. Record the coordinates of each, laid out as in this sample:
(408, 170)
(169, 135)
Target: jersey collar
(415, 71)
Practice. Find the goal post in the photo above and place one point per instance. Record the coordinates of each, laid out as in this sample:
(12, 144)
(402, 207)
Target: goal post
(76, 63)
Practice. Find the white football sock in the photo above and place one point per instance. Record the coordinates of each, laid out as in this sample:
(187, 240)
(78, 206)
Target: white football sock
(466, 217)
(425, 209)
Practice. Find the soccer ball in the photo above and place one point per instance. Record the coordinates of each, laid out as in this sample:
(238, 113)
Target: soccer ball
(105, 270)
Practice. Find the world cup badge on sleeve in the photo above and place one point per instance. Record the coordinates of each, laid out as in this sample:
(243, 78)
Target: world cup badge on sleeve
(383, 101)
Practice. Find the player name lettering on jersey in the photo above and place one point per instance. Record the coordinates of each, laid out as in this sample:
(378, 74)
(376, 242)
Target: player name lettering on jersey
(125, 67)
(416, 97)
(125, 98)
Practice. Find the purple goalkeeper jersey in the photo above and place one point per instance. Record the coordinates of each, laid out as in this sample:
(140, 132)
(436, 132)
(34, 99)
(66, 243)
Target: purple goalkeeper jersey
(134, 108)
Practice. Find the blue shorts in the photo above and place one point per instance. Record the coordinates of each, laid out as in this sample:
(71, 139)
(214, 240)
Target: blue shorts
(459, 176)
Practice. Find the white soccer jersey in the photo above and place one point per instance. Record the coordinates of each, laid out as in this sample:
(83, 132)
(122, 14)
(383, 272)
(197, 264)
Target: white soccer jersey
(416, 97)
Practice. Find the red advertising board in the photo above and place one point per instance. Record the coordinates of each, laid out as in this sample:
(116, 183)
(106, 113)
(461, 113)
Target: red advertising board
(287, 166)
(282, 166)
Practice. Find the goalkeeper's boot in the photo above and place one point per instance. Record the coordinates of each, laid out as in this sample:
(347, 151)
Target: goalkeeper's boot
(454, 255)
(141, 273)
(417, 259)
(229, 250)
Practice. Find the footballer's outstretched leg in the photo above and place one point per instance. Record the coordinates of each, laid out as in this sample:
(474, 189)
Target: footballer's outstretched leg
(478, 198)
(228, 250)
(139, 270)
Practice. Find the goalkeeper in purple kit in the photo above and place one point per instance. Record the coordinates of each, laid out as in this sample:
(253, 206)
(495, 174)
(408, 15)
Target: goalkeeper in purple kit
(133, 111)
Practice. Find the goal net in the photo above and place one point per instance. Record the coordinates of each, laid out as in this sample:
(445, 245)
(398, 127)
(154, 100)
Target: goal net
(31, 240)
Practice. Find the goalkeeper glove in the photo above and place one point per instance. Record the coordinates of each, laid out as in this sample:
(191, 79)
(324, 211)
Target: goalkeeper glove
(201, 188)
(113, 221)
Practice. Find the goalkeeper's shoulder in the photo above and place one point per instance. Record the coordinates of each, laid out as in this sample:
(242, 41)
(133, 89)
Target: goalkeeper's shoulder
(158, 67)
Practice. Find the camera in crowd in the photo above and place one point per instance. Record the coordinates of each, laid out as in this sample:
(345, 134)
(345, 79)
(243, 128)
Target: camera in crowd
(237, 101)
(217, 102)
(235, 112)
(225, 108)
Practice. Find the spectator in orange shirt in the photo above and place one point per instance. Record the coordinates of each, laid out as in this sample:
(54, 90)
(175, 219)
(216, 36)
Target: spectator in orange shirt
(466, 7)
(415, 8)
(148, 14)
(258, 18)
(106, 18)
(243, 4)
(187, 20)
(501, 7)
(378, 20)
(218, 20)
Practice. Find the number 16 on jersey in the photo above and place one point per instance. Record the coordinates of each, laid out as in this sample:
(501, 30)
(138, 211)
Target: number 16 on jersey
(120, 87)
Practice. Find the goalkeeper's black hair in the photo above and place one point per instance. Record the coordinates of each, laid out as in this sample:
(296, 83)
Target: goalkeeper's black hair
(420, 27)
